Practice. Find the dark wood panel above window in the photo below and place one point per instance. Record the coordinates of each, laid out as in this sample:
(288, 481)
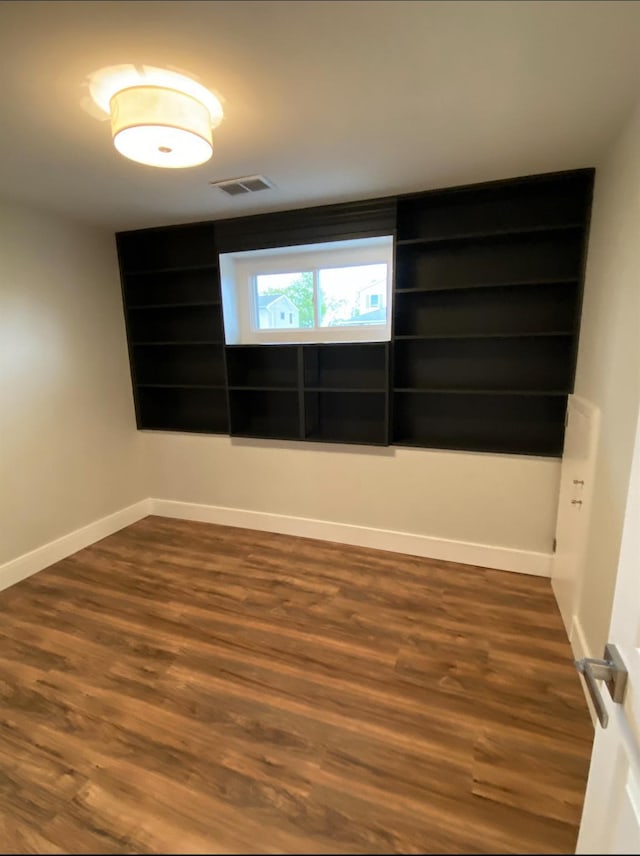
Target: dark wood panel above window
(307, 226)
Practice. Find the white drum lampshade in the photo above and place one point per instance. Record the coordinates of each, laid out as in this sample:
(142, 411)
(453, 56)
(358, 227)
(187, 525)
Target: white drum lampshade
(161, 127)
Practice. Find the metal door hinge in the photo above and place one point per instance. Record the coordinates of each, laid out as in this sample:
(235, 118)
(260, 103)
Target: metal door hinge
(612, 671)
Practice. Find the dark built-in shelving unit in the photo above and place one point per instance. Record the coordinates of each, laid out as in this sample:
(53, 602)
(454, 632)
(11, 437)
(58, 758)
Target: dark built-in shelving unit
(488, 284)
(330, 393)
(486, 312)
(173, 314)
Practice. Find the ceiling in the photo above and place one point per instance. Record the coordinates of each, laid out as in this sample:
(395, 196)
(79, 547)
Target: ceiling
(329, 100)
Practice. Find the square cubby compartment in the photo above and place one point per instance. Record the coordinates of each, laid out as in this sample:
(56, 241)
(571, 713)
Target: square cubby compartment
(504, 260)
(181, 409)
(487, 311)
(346, 366)
(187, 246)
(539, 363)
(346, 417)
(517, 424)
(172, 288)
(264, 413)
(190, 365)
(548, 202)
(268, 366)
(175, 324)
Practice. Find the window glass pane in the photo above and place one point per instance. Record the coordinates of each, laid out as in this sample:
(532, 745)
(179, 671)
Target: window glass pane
(353, 296)
(284, 301)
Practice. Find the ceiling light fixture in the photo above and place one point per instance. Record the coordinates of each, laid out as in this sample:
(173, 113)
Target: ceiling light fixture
(158, 117)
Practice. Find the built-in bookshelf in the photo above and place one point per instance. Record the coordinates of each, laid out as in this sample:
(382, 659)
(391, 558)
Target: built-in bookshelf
(486, 314)
(174, 324)
(488, 285)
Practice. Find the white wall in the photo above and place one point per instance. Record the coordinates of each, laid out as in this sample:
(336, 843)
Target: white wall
(69, 452)
(608, 370)
(489, 499)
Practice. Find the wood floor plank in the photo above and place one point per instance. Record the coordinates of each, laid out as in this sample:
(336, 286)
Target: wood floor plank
(182, 687)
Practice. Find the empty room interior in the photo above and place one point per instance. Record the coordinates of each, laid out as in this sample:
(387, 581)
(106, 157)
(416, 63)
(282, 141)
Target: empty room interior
(319, 396)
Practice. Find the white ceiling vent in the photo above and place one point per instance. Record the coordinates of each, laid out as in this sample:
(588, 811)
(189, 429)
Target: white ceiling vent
(239, 186)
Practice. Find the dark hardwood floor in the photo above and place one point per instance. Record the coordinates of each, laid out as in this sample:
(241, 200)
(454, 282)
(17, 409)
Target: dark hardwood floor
(188, 688)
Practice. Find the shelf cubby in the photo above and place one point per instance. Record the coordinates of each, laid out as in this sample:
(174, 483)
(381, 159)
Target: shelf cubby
(175, 288)
(268, 413)
(555, 201)
(346, 417)
(199, 410)
(352, 366)
(256, 366)
(513, 423)
(507, 310)
(504, 260)
(533, 363)
(176, 324)
(179, 364)
(191, 247)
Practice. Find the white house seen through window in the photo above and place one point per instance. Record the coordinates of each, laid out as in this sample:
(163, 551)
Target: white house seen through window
(328, 297)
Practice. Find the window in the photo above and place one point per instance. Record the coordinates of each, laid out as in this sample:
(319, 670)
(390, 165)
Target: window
(332, 292)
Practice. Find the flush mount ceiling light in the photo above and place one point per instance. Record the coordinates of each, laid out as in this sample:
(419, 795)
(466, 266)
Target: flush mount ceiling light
(158, 117)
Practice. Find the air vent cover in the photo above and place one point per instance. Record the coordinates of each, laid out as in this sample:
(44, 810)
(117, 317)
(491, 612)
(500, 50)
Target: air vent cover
(239, 186)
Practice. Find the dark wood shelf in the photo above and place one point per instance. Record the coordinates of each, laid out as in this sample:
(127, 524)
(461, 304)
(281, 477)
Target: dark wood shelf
(319, 437)
(544, 451)
(140, 306)
(180, 386)
(552, 280)
(263, 435)
(176, 342)
(470, 391)
(197, 409)
(521, 335)
(356, 390)
(262, 388)
(488, 235)
(171, 269)
(183, 428)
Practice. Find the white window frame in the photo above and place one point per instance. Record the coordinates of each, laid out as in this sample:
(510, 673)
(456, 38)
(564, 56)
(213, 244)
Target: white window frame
(238, 272)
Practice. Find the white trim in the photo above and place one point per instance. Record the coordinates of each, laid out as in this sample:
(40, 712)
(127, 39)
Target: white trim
(581, 649)
(464, 552)
(441, 549)
(30, 563)
(578, 640)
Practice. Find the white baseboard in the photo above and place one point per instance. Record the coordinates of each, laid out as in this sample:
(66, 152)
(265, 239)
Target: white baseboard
(468, 553)
(581, 649)
(30, 563)
(578, 640)
(486, 556)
